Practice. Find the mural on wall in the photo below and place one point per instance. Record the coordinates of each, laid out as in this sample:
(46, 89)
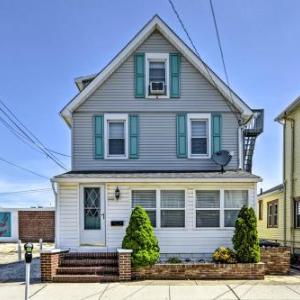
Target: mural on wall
(5, 224)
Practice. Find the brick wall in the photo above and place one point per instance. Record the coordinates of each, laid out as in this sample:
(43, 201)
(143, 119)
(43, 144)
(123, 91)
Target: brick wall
(276, 259)
(124, 264)
(35, 225)
(49, 264)
(201, 271)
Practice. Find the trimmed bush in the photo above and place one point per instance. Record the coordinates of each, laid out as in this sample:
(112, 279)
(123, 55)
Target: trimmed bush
(224, 255)
(141, 239)
(245, 239)
(174, 260)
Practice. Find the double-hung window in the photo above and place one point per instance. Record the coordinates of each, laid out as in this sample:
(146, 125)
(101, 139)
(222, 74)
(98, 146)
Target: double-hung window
(116, 129)
(273, 214)
(146, 199)
(157, 75)
(207, 208)
(233, 201)
(199, 143)
(172, 208)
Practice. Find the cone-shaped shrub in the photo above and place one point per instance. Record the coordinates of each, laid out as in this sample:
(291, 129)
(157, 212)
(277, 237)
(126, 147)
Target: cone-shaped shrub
(141, 239)
(245, 239)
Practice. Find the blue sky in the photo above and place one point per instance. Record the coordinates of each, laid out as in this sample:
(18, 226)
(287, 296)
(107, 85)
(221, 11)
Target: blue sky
(46, 44)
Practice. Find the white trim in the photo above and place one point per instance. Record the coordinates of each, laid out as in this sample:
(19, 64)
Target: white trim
(115, 117)
(155, 23)
(157, 57)
(204, 117)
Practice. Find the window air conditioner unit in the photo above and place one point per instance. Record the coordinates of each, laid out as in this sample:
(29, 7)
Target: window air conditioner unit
(157, 88)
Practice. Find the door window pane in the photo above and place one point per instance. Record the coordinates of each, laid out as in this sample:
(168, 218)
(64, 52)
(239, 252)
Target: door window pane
(92, 209)
(116, 136)
(207, 218)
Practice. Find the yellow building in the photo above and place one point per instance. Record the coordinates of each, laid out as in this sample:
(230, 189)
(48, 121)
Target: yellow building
(279, 208)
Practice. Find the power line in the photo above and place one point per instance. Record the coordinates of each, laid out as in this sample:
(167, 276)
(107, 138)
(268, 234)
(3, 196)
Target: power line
(29, 135)
(198, 54)
(23, 168)
(58, 153)
(27, 191)
(220, 45)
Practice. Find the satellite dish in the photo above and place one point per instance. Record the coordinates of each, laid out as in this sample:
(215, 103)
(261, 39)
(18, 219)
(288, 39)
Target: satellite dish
(222, 158)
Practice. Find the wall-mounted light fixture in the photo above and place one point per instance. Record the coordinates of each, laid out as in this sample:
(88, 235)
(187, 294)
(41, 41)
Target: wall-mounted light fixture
(117, 193)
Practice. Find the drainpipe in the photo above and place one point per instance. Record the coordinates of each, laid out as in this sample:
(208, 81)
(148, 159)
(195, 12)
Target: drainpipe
(284, 186)
(292, 175)
(56, 213)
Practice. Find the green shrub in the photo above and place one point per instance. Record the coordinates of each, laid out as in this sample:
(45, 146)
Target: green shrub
(141, 239)
(245, 239)
(224, 255)
(174, 260)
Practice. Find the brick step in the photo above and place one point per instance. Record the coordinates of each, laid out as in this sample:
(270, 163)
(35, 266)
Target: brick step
(85, 278)
(88, 270)
(90, 255)
(88, 262)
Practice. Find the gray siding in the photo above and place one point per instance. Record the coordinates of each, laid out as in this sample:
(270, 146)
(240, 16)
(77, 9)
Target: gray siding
(157, 118)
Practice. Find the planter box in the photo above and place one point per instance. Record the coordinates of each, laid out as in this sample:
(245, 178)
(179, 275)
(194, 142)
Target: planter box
(201, 271)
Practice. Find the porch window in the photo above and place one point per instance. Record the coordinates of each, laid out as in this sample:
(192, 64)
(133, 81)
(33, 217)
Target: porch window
(207, 208)
(172, 208)
(146, 199)
(92, 209)
(273, 214)
(233, 202)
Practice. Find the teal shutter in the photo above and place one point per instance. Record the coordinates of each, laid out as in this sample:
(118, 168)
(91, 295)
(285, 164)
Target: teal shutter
(181, 135)
(175, 60)
(133, 136)
(216, 132)
(139, 75)
(99, 136)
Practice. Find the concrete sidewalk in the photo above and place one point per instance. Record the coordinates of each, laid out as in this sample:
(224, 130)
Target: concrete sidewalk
(273, 288)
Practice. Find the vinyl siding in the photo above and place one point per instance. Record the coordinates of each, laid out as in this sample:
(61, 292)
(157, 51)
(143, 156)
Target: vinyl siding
(264, 232)
(173, 240)
(157, 118)
(67, 214)
(293, 235)
(157, 145)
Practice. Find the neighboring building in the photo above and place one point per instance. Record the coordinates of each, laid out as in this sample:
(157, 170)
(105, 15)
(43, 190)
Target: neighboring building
(27, 224)
(288, 194)
(270, 214)
(143, 133)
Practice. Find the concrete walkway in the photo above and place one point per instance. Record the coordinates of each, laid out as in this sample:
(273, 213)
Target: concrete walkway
(272, 288)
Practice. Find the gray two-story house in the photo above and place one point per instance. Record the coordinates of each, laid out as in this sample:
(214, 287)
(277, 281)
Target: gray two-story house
(144, 131)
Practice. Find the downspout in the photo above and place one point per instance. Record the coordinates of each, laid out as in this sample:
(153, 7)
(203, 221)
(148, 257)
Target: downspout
(284, 186)
(56, 213)
(292, 171)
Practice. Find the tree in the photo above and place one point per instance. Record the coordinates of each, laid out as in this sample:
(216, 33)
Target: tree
(141, 239)
(245, 239)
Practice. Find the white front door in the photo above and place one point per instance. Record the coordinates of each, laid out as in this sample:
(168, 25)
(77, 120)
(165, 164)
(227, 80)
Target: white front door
(92, 215)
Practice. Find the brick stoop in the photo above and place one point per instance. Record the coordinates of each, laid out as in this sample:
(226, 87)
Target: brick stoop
(87, 267)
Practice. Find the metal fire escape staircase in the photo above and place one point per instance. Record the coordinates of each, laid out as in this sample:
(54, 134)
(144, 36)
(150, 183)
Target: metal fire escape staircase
(252, 130)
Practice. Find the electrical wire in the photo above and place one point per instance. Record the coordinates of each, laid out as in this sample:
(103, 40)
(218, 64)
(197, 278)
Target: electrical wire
(27, 191)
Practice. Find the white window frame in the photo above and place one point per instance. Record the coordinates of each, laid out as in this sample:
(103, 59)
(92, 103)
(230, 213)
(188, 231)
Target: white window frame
(164, 208)
(115, 117)
(157, 57)
(222, 207)
(199, 117)
(158, 208)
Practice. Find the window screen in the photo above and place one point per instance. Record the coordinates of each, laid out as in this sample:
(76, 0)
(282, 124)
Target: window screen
(146, 199)
(157, 71)
(172, 204)
(116, 136)
(273, 213)
(92, 208)
(233, 202)
(207, 208)
(199, 137)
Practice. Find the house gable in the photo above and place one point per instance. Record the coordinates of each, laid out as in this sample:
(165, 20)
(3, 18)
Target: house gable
(155, 24)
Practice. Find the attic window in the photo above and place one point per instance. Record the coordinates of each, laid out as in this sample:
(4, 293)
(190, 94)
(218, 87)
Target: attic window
(157, 75)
